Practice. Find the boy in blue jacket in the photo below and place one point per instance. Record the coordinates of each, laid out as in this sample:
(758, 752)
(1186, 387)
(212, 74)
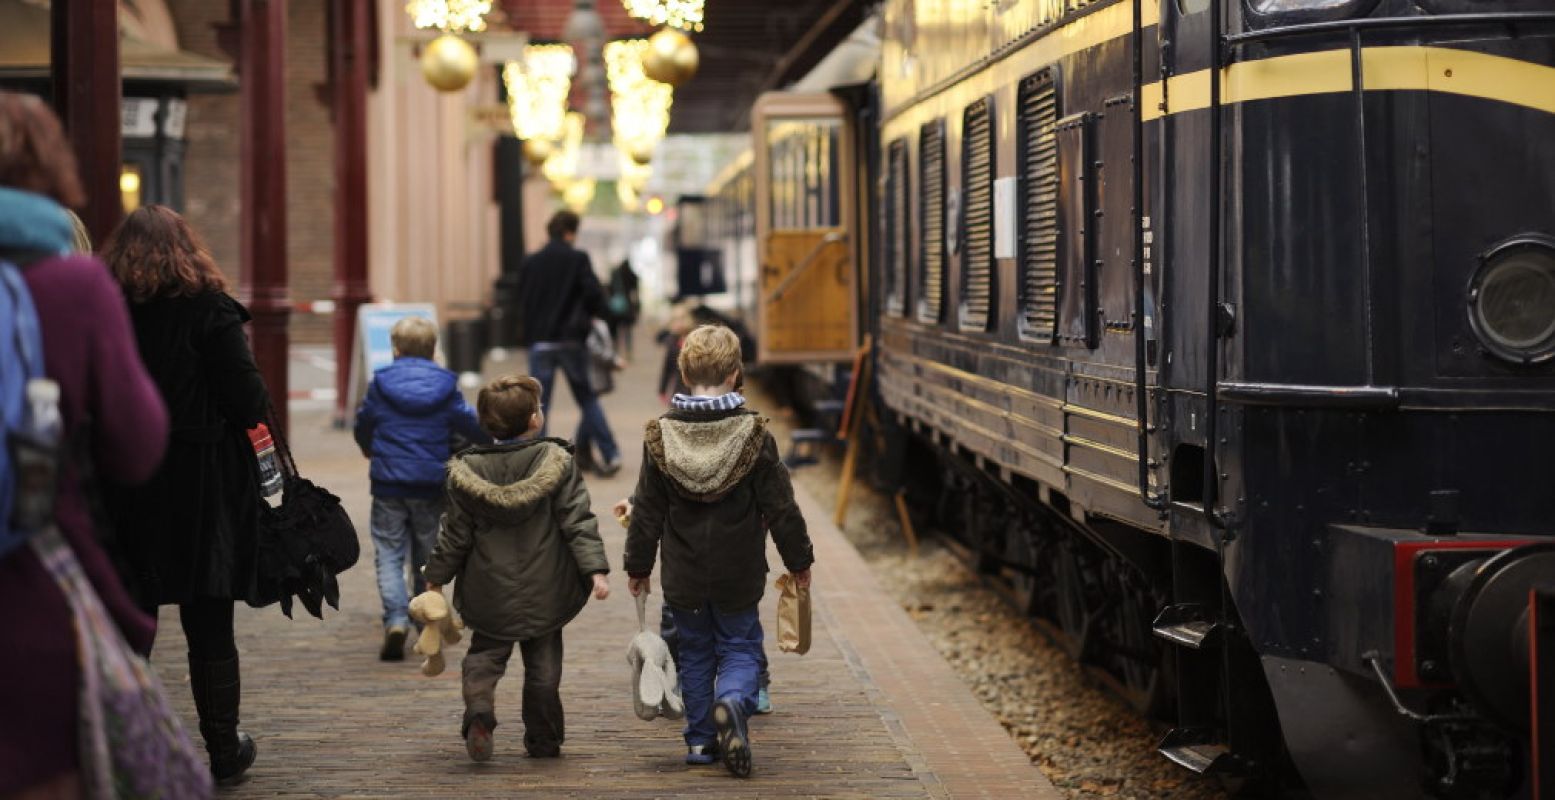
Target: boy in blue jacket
(405, 425)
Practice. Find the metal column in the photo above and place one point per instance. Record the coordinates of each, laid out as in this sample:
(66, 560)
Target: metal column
(85, 70)
(350, 53)
(262, 73)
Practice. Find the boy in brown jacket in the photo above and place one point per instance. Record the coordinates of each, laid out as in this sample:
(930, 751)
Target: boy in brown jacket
(521, 538)
(711, 487)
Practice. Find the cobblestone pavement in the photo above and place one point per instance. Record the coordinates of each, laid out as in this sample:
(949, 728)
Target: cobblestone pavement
(871, 711)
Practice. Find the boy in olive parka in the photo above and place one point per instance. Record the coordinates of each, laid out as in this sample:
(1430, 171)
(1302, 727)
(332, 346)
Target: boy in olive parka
(521, 538)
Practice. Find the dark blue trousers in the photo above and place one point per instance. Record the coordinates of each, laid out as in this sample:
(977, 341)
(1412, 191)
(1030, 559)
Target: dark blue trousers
(716, 649)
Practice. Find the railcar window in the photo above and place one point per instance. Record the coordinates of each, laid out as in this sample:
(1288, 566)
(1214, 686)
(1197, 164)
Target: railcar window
(1289, 10)
(977, 168)
(1041, 227)
(896, 202)
(931, 248)
(802, 190)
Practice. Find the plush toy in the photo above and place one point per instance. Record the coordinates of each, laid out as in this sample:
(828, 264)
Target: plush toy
(438, 627)
(655, 688)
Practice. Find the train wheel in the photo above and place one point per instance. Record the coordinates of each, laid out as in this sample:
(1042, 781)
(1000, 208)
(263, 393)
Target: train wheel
(1020, 556)
(1132, 655)
(1061, 600)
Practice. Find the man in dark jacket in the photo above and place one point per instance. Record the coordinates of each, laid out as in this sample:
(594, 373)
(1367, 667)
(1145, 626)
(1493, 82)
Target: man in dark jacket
(412, 411)
(559, 296)
(711, 488)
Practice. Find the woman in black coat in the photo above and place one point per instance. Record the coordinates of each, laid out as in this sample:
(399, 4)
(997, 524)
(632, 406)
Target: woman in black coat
(189, 534)
(625, 305)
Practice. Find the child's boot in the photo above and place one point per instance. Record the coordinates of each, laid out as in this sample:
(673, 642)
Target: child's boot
(477, 740)
(733, 737)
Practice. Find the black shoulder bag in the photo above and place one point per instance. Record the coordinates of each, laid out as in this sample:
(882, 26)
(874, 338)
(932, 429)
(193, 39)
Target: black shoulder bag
(304, 542)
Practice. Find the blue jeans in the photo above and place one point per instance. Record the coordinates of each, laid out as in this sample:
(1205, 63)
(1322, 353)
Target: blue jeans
(402, 528)
(544, 359)
(720, 648)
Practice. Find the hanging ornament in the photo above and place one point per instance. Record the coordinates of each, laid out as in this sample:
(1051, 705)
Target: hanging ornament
(671, 57)
(579, 194)
(537, 87)
(641, 153)
(683, 14)
(449, 63)
(536, 151)
(449, 16)
(561, 166)
(639, 106)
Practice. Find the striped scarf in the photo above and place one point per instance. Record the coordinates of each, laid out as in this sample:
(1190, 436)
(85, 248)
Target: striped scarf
(722, 402)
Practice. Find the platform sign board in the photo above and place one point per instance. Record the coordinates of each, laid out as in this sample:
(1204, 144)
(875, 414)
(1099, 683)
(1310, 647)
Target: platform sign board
(372, 350)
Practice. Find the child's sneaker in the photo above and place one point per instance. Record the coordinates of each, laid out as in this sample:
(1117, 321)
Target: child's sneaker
(699, 754)
(763, 702)
(477, 741)
(733, 739)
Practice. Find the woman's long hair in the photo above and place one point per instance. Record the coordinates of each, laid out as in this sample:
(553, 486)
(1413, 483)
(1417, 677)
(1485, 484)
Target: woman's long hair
(154, 254)
(35, 156)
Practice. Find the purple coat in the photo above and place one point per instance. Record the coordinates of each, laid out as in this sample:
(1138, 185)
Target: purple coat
(89, 349)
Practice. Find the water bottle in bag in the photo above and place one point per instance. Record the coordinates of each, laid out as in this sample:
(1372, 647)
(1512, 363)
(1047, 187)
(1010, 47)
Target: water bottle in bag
(270, 478)
(36, 450)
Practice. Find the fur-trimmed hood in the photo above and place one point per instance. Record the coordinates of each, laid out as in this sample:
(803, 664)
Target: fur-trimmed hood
(505, 482)
(705, 454)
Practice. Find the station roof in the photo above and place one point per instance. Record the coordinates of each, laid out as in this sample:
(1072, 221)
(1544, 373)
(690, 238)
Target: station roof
(746, 46)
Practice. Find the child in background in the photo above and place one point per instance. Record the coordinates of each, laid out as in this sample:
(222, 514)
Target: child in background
(521, 538)
(412, 410)
(710, 465)
(674, 333)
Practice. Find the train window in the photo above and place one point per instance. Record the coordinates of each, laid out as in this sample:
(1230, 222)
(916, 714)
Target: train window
(1041, 224)
(931, 224)
(803, 191)
(1264, 13)
(895, 204)
(977, 170)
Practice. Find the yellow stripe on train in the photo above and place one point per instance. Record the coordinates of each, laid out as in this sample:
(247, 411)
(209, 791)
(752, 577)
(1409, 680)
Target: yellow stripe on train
(1403, 68)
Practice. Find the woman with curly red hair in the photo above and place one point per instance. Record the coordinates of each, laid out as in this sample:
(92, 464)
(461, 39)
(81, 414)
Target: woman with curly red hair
(189, 533)
(107, 400)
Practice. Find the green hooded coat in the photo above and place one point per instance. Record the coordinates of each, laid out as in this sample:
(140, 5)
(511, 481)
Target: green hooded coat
(520, 537)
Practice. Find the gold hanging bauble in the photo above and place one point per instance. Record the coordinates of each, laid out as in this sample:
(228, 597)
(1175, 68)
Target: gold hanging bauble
(449, 63)
(578, 195)
(537, 151)
(671, 57)
(640, 154)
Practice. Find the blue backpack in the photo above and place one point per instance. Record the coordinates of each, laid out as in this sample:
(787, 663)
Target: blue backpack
(21, 360)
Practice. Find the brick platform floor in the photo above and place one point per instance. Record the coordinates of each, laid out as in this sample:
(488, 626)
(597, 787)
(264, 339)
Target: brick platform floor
(870, 711)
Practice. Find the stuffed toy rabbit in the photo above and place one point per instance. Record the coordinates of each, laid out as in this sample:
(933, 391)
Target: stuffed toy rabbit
(439, 628)
(655, 688)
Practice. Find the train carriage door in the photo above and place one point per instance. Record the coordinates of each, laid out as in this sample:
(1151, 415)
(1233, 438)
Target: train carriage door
(804, 198)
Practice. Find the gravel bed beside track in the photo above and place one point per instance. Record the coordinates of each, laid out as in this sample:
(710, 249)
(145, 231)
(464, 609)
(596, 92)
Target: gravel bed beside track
(1088, 743)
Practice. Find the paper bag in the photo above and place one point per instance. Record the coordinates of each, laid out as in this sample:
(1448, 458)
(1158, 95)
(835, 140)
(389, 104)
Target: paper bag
(793, 616)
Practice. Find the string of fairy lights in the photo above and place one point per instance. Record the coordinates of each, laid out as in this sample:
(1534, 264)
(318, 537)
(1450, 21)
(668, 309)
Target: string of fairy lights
(641, 74)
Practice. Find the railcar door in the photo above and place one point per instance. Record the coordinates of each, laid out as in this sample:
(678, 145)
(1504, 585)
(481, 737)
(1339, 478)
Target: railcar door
(804, 197)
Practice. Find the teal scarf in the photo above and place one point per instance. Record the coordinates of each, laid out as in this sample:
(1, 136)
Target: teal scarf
(32, 223)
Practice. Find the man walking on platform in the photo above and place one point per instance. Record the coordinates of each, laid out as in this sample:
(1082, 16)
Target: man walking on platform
(558, 297)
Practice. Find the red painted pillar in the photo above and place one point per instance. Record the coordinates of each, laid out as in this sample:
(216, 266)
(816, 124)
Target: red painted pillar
(350, 56)
(85, 69)
(262, 78)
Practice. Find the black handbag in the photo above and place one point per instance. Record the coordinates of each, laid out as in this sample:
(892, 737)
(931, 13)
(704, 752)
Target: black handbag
(304, 542)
